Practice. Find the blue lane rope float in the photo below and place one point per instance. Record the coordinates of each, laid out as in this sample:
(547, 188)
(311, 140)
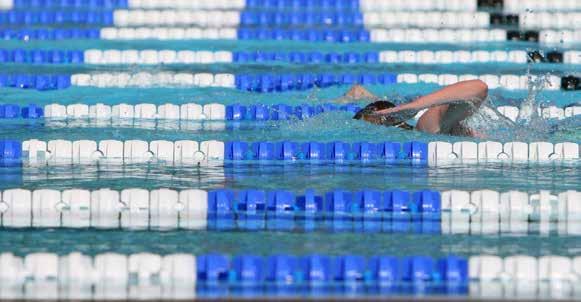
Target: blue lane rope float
(267, 83)
(372, 211)
(155, 57)
(192, 153)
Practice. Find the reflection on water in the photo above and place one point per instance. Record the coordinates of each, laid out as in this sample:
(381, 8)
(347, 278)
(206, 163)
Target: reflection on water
(327, 127)
(436, 226)
(298, 176)
(91, 242)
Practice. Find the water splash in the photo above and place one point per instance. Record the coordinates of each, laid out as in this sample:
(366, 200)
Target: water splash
(529, 124)
(530, 107)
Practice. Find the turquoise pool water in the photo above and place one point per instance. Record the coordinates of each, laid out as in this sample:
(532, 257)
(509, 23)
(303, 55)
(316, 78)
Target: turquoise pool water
(296, 177)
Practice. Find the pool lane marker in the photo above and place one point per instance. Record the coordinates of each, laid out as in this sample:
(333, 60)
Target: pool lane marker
(189, 152)
(168, 57)
(187, 276)
(507, 6)
(280, 19)
(264, 83)
(403, 35)
(393, 211)
(107, 114)
(114, 276)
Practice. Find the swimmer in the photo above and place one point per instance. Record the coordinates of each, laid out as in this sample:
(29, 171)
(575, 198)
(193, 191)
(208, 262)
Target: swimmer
(446, 109)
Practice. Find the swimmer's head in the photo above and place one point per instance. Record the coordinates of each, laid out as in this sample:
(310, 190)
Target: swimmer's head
(368, 114)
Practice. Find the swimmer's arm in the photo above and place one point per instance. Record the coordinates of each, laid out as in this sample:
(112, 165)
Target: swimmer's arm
(474, 91)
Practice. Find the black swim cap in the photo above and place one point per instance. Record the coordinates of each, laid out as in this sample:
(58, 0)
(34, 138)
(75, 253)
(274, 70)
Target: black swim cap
(369, 114)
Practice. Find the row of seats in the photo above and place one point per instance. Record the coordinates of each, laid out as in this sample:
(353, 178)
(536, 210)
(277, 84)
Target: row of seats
(434, 153)
(235, 112)
(40, 82)
(153, 57)
(178, 276)
(457, 212)
(56, 18)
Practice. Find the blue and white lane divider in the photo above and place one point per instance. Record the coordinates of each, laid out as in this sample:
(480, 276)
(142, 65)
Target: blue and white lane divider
(50, 34)
(215, 112)
(448, 212)
(508, 6)
(253, 18)
(234, 18)
(337, 18)
(120, 4)
(76, 4)
(186, 112)
(186, 276)
(26, 17)
(512, 6)
(189, 152)
(522, 6)
(113, 276)
(400, 35)
(264, 83)
(155, 57)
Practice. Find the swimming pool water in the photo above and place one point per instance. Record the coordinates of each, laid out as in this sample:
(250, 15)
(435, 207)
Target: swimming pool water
(296, 177)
